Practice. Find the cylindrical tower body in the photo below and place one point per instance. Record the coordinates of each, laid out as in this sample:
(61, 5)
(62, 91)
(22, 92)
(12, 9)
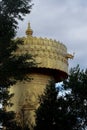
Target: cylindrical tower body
(52, 63)
(26, 97)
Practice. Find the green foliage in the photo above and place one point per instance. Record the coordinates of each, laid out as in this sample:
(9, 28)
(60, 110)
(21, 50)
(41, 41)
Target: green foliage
(10, 12)
(53, 112)
(12, 68)
(77, 82)
(47, 109)
(68, 111)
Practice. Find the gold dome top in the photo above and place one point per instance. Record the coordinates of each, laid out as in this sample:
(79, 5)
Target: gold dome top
(29, 31)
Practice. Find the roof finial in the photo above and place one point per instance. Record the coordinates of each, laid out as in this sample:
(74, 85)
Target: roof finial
(29, 25)
(29, 31)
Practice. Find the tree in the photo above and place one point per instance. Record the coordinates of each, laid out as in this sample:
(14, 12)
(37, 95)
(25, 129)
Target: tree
(12, 68)
(53, 112)
(68, 111)
(47, 108)
(10, 12)
(77, 82)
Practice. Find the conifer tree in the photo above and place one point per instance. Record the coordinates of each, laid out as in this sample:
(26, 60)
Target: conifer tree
(53, 112)
(12, 68)
(67, 111)
(77, 83)
(46, 111)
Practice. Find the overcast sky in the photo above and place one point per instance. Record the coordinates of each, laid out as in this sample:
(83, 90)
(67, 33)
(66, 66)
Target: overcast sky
(63, 20)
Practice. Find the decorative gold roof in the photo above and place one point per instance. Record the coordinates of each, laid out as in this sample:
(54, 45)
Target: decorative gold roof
(49, 54)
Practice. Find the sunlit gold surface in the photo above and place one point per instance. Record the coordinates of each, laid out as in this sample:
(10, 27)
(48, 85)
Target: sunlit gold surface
(52, 63)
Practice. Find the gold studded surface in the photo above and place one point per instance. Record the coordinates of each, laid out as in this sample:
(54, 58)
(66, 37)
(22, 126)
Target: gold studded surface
(52, 63)
(47, 53)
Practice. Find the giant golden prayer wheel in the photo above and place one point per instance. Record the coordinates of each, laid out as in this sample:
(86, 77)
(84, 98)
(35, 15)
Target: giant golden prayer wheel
(52, 63)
